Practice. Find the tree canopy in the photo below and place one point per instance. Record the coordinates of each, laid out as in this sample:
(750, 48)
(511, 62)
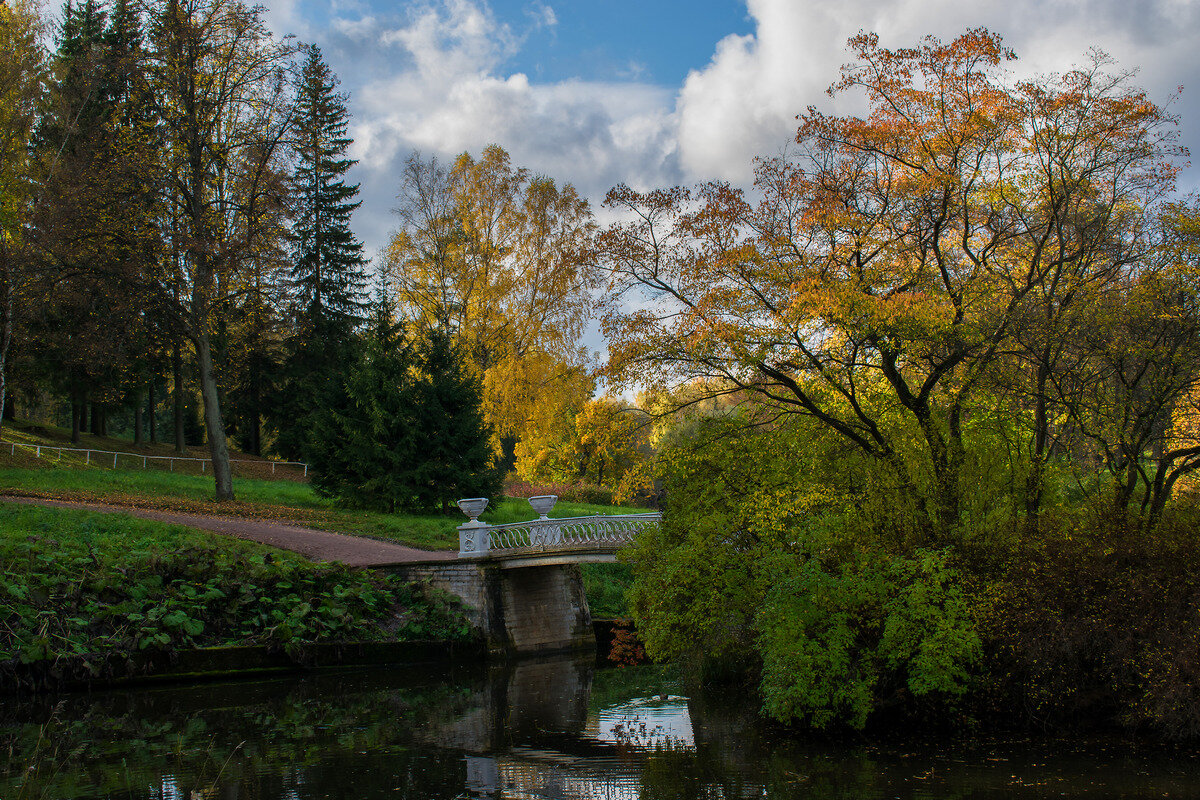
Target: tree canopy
(886, 271)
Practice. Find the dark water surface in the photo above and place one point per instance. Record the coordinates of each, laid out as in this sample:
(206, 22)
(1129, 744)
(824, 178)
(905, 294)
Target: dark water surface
(538, 729)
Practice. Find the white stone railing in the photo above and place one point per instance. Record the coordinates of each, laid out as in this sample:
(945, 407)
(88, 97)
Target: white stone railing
(601, 531)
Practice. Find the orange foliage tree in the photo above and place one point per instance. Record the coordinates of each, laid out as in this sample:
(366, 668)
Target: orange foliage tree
(881, 274)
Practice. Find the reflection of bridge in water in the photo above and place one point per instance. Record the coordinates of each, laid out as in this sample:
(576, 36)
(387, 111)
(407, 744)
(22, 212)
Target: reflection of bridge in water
(521, 581)
(519, 729)
(534, 729)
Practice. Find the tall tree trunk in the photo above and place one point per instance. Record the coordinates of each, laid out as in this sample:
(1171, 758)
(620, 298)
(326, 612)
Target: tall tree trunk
(214, 425)
(150, 405)
(95, 418)
(177, 364)
(76, 417)
(138, 433)
(6, 326)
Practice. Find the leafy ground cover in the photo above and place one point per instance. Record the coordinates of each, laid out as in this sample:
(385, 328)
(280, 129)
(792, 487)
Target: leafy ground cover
(82, 590)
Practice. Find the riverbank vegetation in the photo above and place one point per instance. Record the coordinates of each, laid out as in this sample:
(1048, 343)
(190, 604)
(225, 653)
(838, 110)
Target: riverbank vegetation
(86, 593)
(928, 402)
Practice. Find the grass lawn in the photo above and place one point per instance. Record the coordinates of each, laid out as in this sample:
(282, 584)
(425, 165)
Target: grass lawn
(263, 499)
(287, 497)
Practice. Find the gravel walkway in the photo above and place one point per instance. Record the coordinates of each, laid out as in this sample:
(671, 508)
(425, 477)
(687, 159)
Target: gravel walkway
(356, 551)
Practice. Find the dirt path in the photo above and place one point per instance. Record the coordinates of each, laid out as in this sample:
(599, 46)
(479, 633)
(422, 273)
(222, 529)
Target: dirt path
(356, 551)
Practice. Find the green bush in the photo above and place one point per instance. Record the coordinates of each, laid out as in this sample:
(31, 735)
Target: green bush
(777, 556)
(81, 590)
(840, 637)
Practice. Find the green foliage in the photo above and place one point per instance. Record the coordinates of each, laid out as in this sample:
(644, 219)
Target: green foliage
(411, 434)
(81, 589)
(327, 277)
(328, 271)
(451, 440)
(605, 586)
(836, 634)
(696, 591)
(778, 552)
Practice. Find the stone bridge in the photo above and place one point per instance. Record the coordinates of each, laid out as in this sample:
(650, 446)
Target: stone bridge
(521, 581)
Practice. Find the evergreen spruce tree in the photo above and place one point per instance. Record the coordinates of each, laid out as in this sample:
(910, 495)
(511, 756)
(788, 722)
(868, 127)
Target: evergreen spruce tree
(328, 274)
(449, 431)
(360, 442)
(329, 271)
(406, 433)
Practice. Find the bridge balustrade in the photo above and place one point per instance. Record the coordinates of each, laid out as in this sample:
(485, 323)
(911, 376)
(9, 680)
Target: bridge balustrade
(597, 532)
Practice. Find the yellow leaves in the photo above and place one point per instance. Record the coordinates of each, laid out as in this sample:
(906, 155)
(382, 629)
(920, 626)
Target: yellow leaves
(600, 445)
(21, 68)
(502, 257)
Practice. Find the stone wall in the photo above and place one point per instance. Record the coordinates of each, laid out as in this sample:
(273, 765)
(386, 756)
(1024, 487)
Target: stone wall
(531, 609)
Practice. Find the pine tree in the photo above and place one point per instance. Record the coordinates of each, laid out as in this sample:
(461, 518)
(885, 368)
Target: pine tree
(451, 436)
(328, 273)
(406, 432)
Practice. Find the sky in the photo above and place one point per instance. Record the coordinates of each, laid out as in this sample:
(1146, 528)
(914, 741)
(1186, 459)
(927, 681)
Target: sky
(655, 93)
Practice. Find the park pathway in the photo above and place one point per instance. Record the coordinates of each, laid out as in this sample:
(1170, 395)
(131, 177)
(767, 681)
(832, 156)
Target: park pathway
(355, 551)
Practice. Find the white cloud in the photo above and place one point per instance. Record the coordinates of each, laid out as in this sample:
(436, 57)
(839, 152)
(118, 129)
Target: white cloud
(443, 86)
(450, 94)
(744, 101)
(543, 16)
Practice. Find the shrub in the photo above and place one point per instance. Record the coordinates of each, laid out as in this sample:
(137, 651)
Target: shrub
(841, 637)
(571, 492)
(1095, 622)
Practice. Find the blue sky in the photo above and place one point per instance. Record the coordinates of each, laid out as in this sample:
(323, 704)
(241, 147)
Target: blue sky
(654, 92)
(657, 41)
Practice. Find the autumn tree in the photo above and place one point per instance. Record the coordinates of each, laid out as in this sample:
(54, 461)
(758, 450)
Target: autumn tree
(220, 83)
(1136, 371)
(21, 76)
(601, 442)
(501, 258)
(877, 278)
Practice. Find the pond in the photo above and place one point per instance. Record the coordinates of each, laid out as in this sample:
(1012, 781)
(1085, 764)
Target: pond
(547, 728)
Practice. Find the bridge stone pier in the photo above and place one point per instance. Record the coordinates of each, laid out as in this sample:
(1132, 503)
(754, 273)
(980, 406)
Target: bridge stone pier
(521, 582)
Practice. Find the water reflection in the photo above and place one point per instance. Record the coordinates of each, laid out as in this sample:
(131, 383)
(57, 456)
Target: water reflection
(553, 728)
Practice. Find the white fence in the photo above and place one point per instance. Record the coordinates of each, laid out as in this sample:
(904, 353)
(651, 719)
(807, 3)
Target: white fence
(600, 531)
(145, 459)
